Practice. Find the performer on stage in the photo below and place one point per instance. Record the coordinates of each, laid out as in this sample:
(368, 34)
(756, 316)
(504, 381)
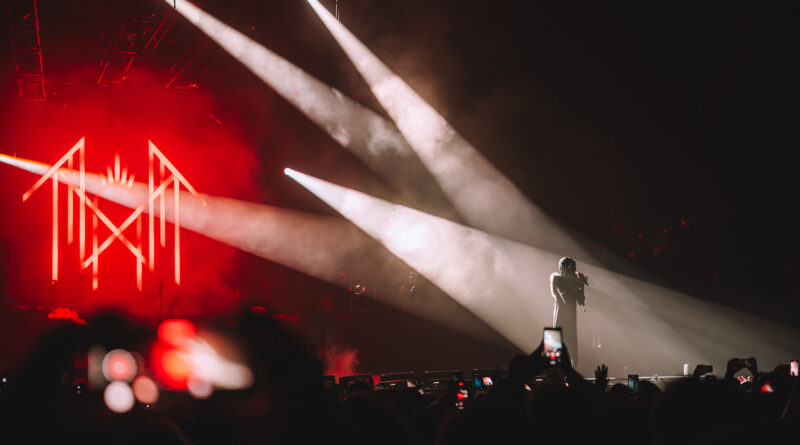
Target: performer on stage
(567, 289)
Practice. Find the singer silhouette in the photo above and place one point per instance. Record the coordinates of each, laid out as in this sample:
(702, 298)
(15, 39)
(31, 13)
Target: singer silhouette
(567, 285)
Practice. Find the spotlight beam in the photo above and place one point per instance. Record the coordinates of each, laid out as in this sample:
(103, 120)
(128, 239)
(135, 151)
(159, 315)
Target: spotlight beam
(505, 283)
(480, 193)
(485, 197)
(367, 135)
(317, 245)
(471, 266)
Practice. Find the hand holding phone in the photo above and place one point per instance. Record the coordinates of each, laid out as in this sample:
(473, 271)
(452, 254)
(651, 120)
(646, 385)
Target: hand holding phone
(553, 346)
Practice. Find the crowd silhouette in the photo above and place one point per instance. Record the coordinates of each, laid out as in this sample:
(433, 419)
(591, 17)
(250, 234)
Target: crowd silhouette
(45, 401)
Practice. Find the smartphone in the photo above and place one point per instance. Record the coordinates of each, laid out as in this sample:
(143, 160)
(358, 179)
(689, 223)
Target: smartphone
(793, 368)
(553, 346)
(633, 383)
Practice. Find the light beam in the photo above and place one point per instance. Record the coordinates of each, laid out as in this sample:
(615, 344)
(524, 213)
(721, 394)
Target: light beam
(366, 134)
(317, 245)
(485, 197)
(505, 283)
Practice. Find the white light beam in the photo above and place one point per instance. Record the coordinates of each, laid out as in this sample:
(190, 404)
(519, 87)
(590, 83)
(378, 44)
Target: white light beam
(317, 245)
(485, 197)
(372, 138)
(506, 284)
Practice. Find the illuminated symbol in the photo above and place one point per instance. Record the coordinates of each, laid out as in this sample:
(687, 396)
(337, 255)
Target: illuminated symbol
(119, 177)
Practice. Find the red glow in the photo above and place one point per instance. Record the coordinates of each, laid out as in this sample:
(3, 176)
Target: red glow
(132, 217)
(70, 211)
(177, 180)
(95, 252)
(63, 313)
(151, 245)
(118, 176)
(114, 229)
(341, 363)
(139, 249)
(175, 365)
(55, 227)
(49, 173)
(176, 333)
(82, 220)
(287, 317)
(169, 367)
(122, 120)
(177, 225)
(154, 150)
(162, 209)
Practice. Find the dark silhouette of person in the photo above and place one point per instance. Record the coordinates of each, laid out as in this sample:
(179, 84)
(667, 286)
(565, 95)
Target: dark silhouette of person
(567, 288)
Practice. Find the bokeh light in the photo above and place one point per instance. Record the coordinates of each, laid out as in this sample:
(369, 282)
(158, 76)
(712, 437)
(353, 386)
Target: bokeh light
(118, 397)
(145, 390)
(119, 364)
(199, 388)
(176, 333)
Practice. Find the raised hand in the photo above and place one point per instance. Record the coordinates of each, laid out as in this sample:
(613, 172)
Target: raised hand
(699, 370)
(601, 376)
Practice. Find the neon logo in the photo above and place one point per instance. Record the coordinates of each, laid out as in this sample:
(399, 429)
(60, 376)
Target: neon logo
(156, 195)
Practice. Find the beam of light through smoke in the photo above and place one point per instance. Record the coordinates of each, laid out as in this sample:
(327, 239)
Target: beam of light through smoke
(318, 245)
(485, 197)
(369, 136)
(480, 193)
(506, 284)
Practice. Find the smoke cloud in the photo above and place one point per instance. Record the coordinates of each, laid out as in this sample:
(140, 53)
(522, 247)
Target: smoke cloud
(341, 362)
